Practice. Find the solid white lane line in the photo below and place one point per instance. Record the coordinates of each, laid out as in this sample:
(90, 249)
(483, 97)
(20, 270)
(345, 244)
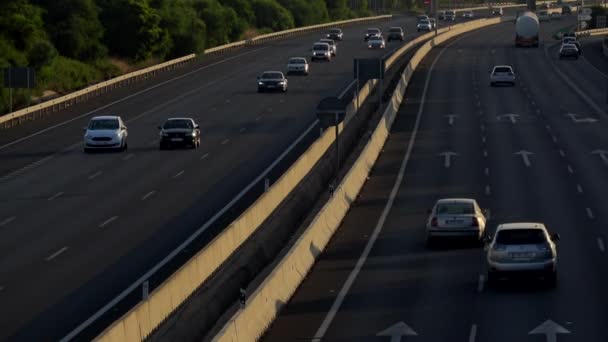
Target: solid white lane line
(579, 188)
(128, 156)
(380, 224)
(225, 141)
(589, 213)
(56, 254)
(600, 244)
(95, 175)
(7, 221)
(562, 153)
(554, 138)
(487, 171)
(242, 130)
(128, 97)
(548, 127)
(55, 196)
(108, 221)
(473, 333)
(204, 156)
(343, 93)
(179, 174)
(487, 190)
(148, 195)
(570, 169)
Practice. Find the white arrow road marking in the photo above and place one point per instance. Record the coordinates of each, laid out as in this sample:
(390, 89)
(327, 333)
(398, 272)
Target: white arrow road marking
(602, 155)
(510, 116)
(450, 118)
(396, 331)
(447, 157)
(574, 118)
(549, 329)
(525, 155)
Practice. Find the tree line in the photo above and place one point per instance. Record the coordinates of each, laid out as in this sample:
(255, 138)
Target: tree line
(73, 43)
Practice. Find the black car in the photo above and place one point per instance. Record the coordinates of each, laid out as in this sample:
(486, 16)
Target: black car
(566, 9)
(335, 34)
(372, 32)
(179, 132)
(272, 80)
(395, 33)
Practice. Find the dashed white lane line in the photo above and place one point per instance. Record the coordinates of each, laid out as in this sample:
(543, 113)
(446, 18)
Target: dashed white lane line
(148, 195)
(589, 213)
(487, 171)
(570, 169)
(154, 142)
(1, 288)
(95, 175)
(481, 282)
(483, 127)
(562, 153)
(204, 156)
(242, 130)
(485, 153)
(108, 221)
(179, 174)
(487, 190)
(554, 138)
(473, 333)
(56, 254)
(600, 244)
(7, 221)
(128, 156)
(55, 196)
(579, 188)
(225, 141)
(548, 127)
(483, 140)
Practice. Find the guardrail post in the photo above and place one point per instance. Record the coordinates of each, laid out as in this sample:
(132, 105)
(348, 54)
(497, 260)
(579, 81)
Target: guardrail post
(320, 131)
(266, 184)
(145, 290)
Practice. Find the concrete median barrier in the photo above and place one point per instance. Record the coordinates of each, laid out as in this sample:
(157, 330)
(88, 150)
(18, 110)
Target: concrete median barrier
(250, 322)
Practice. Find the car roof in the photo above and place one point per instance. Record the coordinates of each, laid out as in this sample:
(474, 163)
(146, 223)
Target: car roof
(569, 46)
(296, 57)
(273, 71)
(320, 43)
(169, 119)
(521, 225)
(327, 40)
(456, 200)
(106, 117)
(395, 28)
(503, 66)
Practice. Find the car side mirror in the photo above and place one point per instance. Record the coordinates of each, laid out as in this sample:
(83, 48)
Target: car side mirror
(197, 127)
(555, 237)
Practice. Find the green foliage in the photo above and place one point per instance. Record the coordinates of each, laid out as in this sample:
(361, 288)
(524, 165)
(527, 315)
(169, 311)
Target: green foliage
(40, 54)
(269, 13)
(65, 74)
(21, 23)
(338, 10)
(307, 12)
(223, 23)
(186, 30)
(243, 9)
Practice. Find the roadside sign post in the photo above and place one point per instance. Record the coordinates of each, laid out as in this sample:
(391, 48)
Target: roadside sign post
(330, 112)
(367, 69)
(20, 77)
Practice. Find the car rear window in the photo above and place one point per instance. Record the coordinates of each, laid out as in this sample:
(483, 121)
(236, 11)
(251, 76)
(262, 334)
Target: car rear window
(530, 236)
(395, 30)
(328, 41)
(373, 31)
(450, 12)
(169, 124)
(334, 31)
(272, 75)
(297, 61)
(424, 22)
(455, 208)
(103, 124)
(503, 69)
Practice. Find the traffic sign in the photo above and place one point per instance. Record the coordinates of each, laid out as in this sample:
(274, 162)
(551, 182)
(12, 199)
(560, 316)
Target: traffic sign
(586, 11)
(582, 17)
(600, 21)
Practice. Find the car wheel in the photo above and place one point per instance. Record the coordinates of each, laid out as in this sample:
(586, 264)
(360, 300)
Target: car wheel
(551, 280)
(125, 146)
(430, 242)
(492, 84)
(491, 279)
(86, 150)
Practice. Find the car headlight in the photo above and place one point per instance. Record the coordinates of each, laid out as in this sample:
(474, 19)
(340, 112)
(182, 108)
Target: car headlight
(164, 134)
(189, 134)
(282, 83)
(260, 83)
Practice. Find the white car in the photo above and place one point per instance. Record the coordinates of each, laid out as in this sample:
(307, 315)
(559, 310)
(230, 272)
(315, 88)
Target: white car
(321, 51)
(502, 74)
(297, 65)
(456, 217)
(332, 45)
(424, 25)
(105, 133)
(376, 42)
(523, 248)
(468, 14)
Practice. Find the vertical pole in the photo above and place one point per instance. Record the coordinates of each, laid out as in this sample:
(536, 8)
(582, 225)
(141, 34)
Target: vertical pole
(145, 290)
(380, 86)
(337, 147)
(29, 88)
(10, 91)
(434, 9)
(358, 85)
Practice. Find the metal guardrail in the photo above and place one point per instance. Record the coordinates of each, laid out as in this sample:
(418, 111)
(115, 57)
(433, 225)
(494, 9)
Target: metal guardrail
(54, 105)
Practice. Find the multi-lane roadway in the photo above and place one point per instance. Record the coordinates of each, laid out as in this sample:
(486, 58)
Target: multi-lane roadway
(79, 228)
(533, 152)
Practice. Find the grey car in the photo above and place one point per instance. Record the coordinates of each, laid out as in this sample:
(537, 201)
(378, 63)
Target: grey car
(179, 132)
(395, 33)
(522, 249)
(376, 43)
(332, 44)
(335, 34)
(321, 51)
(272, 81)
(502, 74)
(456, 217)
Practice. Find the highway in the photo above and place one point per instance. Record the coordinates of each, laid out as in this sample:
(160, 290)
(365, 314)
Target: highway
(77, 228)
(522, 156)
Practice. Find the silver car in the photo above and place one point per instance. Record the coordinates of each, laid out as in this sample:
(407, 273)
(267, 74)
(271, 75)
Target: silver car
(424, 25)
(450, 15)
(321, 51)
(468, 14)
(502, 74)
(297, 65)
(524, 248)
(332, 45)
(105, 133)
(456, 217)
(376, 42)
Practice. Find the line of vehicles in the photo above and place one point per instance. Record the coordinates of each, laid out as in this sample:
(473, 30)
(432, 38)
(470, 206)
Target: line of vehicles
(517, 249)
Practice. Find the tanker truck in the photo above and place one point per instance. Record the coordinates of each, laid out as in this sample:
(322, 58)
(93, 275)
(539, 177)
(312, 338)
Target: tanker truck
(526, 30)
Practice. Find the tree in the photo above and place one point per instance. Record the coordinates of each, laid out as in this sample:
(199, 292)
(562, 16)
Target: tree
(21, 23)
(243, 9)
(307, 12)
(187, 31)
(133, 29)
(40, 54)
(338, 9)
(269, 14)
(74, 28)
(223, 23)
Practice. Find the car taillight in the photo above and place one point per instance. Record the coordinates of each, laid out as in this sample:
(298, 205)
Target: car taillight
(474, 222)
(434, 222)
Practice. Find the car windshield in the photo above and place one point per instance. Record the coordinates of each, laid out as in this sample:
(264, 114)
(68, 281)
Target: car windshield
(297, 61)
(424, 22)
(502, 69)
(103, 124)
(372, 31)
(450, 12)
(334, 31)
(330, 42)
(456, 208)
(320, 47)
(532, 236)
(272, 75)
(376, 39)
(178, 123)
(395, 30)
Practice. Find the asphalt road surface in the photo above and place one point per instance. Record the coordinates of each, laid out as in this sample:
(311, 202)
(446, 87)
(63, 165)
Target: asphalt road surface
(441, 293)
(79, 228)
